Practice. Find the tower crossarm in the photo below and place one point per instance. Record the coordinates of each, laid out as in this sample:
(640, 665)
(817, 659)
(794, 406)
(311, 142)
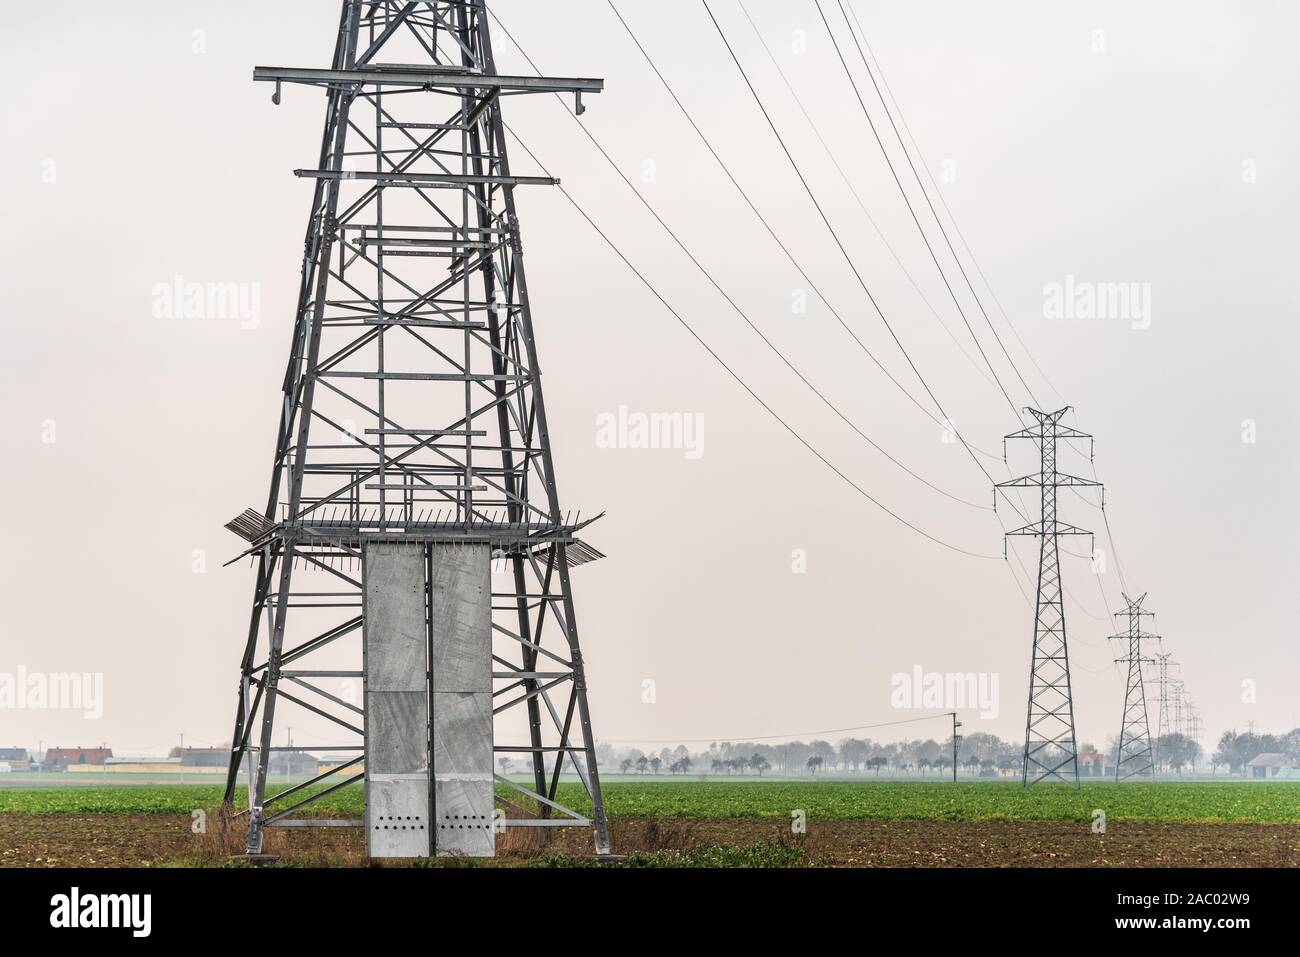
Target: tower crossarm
(1046, 421)
(1059, 431)
(454, 79)
(1140, 636)
(1036, 481)
(449, 180)
(1060, 528)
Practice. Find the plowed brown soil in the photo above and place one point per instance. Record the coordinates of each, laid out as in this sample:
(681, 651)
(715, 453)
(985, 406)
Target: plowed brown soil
(136, 840)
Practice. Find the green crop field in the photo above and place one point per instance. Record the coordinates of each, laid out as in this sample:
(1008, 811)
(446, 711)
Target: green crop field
(1176, 802)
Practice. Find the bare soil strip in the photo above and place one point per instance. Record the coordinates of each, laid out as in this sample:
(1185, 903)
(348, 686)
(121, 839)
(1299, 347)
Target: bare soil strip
(142, 840)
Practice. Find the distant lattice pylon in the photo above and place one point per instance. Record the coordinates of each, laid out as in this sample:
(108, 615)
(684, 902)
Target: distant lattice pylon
(1136, 755)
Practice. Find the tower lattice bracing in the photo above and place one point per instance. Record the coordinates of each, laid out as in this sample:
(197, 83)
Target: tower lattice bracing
(413, 558)
(1136, 756)
(1178, 689)
(1163, 727)
(1050, 746)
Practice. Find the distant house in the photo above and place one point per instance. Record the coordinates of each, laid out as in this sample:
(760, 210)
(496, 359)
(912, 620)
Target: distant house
(1268, 764)
(205, 757)
(16, 758)
(1091, 764)
(58, 759)
(293, 762)
(325, 765)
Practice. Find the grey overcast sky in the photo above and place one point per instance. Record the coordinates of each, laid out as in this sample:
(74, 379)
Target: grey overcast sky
(1112, 142)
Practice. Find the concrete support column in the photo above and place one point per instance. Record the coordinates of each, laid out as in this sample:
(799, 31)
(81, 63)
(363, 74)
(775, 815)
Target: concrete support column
(396, 702)
(460, 627)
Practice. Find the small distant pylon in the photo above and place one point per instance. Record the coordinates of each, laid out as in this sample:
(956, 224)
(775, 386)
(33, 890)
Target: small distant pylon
(1136, 755)
(1179, 728)
(1194, 730)
(1162, 697)
(1163, 727)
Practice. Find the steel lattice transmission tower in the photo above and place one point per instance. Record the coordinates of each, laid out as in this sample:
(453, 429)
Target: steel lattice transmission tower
(1163, 727)
(1162, 722)
(413, 541)
(1178, 707)
(1136, 753)
(1050, 746)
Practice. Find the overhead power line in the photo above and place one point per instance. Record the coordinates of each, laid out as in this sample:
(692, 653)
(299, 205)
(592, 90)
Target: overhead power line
(1018, 507)
(699, 265)
(857, 197)
(613, 246)
(884, 81)
(761, 218)
(970, 253)
(911, 209)
(917, 176)
(838, 242)
(704, 271)
(767, 225)
(735, 375)
(795, 262)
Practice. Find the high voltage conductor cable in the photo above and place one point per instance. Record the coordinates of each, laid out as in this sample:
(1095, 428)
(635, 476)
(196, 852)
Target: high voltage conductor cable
(761, 218)
(911, 209)
(1119, 569)
(1106, 604)
(847, 182)
(789, 255)
(843, 250)
(1016, 578)
(705, 272)
(735, 375)
(1110, 537)
(1105, 518)
(1012, 553)
(970, 450)
(970, 253)
(938, 222)
(752, 206)
(830, 154)
(1078, 604)
(1101, 588)
(744, 316)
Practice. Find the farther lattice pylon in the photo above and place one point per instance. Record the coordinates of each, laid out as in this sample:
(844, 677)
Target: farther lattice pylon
(1163, 726)
(1179, 698)
(1050, 747)
(413, 441)
(1136, 755)
(1162, 720)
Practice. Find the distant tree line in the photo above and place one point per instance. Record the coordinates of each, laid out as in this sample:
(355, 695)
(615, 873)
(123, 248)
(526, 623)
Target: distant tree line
(979, 755)
(1235, 750)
